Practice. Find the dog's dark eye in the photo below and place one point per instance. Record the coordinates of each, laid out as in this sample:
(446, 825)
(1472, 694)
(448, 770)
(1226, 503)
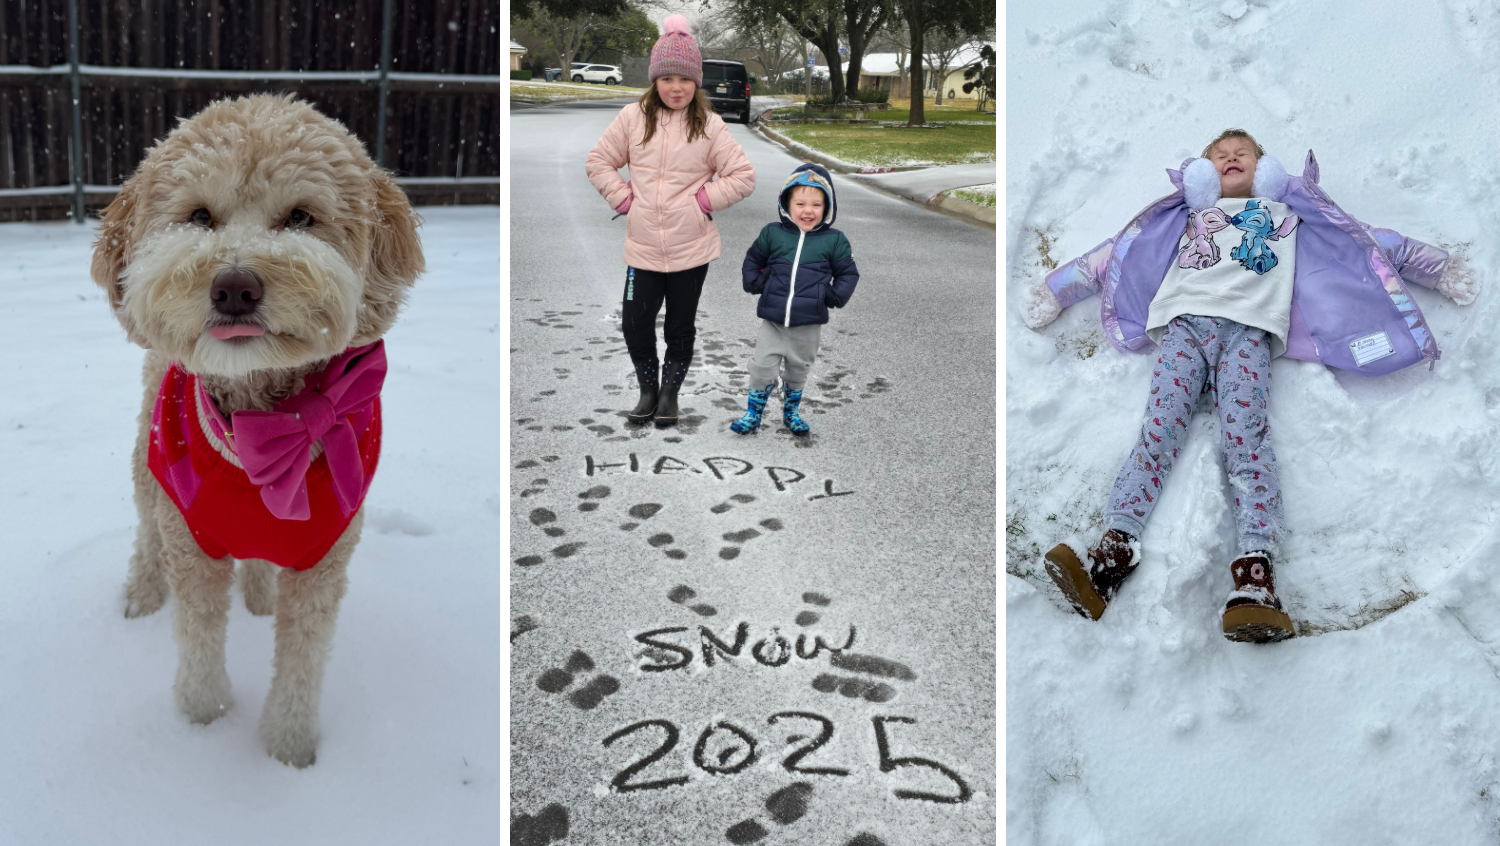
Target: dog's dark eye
(202, 217)
(299, 219)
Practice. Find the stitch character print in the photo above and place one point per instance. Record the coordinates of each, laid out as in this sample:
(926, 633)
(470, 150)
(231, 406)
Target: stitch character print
(1200, 251)
(1254, 252)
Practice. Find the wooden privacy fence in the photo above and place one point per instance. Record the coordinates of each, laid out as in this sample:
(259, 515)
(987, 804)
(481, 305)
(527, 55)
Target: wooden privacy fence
(97, 82)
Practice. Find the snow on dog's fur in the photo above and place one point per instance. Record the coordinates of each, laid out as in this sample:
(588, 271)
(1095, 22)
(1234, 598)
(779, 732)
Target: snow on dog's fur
(264, 185)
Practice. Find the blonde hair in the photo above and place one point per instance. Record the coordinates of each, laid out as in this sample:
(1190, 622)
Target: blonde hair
(791, 193)
(697, 113)
(1235, 133)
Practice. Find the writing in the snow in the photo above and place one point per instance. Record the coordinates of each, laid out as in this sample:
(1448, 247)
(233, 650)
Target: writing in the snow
(720, 467)
(666, 652)
(724, 748)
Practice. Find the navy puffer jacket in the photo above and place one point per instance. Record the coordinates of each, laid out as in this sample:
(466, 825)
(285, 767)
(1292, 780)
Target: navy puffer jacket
(821, 261)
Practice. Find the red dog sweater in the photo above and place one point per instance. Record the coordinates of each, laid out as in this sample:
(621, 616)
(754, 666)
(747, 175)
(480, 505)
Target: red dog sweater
(228, 513)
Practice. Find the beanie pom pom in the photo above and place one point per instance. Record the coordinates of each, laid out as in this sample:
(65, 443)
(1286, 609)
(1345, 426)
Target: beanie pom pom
(675, 23)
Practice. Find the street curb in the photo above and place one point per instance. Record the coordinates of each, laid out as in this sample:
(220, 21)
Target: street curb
(958, 205)
(941, 200)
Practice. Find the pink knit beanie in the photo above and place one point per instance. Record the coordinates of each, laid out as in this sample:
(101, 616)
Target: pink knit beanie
(676, 53)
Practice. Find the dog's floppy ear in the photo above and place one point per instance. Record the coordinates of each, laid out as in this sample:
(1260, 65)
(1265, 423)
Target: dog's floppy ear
(395, 260)
(112, 251)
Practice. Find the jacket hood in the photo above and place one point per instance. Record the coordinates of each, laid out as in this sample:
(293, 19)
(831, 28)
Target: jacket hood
(817, 177)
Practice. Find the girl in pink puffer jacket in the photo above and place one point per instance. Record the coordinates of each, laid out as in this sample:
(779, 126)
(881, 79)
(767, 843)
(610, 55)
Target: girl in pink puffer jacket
(674, 144)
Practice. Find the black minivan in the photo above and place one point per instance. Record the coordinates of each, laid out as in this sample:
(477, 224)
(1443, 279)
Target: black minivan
(728, 87)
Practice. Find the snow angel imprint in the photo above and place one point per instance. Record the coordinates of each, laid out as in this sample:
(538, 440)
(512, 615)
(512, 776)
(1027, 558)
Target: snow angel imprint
(1217, 331)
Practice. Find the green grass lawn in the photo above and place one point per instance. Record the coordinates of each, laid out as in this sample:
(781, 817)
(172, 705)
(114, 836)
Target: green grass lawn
(967, 136)
(552, 92)
(959, 111)
(983, 195)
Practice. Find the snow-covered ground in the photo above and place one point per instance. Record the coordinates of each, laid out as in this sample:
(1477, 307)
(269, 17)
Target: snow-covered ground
(1381, 724)
(92, 749)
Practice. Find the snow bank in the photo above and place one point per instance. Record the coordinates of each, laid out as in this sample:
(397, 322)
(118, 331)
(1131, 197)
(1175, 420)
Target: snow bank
(1379, 724)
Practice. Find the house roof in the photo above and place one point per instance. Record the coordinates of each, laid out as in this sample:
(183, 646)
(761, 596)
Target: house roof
(884, 64)
(516, 48)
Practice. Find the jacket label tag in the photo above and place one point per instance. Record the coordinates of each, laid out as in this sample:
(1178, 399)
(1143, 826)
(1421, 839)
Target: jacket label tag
(1371, 348)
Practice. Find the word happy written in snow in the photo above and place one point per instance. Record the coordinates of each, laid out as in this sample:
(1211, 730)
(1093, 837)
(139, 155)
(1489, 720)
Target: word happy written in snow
(722, 467)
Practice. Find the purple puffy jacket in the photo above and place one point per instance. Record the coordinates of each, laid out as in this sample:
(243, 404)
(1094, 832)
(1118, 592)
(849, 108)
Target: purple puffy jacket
(1350, 305)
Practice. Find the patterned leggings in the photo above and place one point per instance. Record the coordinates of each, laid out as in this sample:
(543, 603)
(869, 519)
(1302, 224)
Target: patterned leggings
(1233, 361)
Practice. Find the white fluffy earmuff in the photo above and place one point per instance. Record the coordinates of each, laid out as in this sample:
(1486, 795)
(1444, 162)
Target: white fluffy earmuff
(1200, 181)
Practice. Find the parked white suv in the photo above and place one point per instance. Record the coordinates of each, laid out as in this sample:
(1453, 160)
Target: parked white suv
(607, 74)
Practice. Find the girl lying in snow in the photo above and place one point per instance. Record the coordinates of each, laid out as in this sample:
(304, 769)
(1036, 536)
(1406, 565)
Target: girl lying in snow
(1241, 264)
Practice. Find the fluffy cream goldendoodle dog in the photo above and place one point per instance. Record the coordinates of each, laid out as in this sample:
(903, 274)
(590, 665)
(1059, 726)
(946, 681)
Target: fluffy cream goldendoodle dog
(258, 255)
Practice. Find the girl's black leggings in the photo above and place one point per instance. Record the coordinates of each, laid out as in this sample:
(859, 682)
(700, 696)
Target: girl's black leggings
(645, 292)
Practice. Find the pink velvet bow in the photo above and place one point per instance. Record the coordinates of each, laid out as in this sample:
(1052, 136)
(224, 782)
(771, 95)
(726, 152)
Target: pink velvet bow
(275, 446)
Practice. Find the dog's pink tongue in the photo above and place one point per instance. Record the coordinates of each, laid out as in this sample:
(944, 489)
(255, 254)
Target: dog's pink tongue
(235, 330)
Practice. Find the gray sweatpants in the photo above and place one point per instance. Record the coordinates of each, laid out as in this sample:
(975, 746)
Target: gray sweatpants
(1232, 362)
(784, 350)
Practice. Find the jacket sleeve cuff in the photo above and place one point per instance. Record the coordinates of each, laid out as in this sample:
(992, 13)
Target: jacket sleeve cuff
(1458, 282)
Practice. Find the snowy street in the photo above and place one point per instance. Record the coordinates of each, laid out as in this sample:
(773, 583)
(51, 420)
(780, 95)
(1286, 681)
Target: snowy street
(95, 751)
(1379, 724)
(662, 578)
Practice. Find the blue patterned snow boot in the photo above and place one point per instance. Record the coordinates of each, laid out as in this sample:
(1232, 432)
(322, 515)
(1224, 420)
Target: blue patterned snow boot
(790, 399)
(751, 419)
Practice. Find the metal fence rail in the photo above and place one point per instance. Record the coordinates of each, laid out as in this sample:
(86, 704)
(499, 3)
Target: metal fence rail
(79, 104)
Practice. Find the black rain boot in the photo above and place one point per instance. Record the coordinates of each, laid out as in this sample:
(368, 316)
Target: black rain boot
(672, 374)
(645, 408)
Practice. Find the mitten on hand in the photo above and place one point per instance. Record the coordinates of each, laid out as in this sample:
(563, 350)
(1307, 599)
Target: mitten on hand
(1041, 307)
(703, 201)
(1459, 283)
(625, 206)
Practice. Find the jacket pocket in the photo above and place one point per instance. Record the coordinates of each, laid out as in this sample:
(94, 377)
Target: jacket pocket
(704, 222)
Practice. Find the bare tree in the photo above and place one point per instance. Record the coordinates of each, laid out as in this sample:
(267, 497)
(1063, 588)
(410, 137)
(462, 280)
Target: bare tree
(943, 48)
(895, 39)
(716, 33)
(771, 44)
(817, 21)
(559, 37)
(925, 16)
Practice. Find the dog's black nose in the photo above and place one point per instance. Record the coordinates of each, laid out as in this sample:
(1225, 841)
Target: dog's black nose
(235, 292)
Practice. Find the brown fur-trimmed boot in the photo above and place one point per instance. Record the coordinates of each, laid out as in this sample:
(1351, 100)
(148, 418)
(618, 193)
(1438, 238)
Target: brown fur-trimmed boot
(1090, 588)
(1253, 613)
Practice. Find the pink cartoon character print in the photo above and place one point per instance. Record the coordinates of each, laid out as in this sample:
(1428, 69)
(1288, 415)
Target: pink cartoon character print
(1200, 251)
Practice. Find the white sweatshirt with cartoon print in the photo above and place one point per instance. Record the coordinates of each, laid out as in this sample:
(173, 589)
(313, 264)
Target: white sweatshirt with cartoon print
(1236, 259)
